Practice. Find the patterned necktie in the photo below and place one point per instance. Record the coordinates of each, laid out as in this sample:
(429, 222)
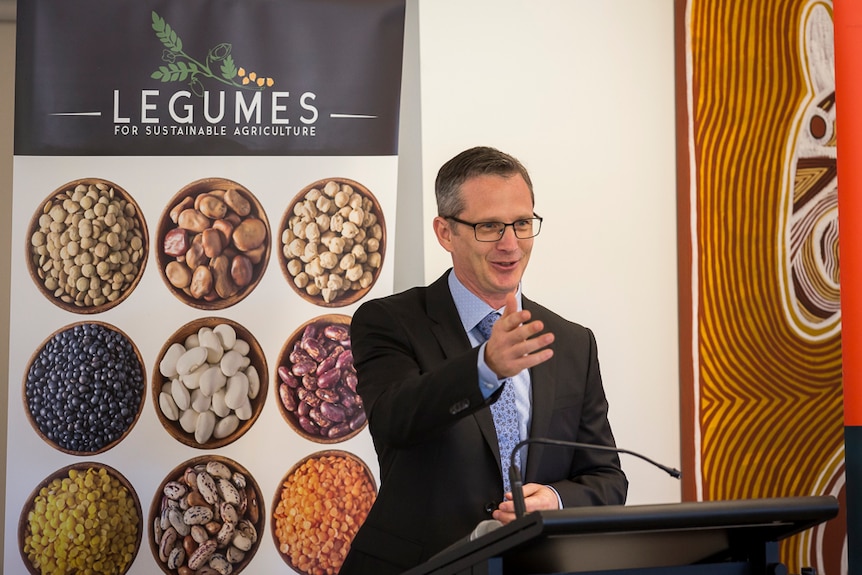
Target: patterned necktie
(504, 411)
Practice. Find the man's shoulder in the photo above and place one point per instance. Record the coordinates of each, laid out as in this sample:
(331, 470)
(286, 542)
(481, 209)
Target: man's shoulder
(416, 296)
(552, 318)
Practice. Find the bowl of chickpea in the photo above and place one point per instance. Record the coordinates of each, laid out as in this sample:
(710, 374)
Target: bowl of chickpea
(332, 242)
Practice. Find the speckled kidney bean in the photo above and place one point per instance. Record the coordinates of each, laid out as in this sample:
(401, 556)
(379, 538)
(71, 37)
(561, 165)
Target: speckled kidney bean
(318, 384)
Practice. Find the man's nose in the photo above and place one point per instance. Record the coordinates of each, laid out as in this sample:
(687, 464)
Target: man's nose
(508, 238)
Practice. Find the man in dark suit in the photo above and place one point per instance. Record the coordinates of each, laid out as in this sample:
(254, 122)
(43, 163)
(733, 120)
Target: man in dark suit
(430, 377)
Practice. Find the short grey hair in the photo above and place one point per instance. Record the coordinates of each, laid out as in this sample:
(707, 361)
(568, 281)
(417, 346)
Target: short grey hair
(477, 161)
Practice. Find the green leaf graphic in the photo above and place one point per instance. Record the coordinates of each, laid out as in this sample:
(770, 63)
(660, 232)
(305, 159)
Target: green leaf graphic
(228, 68)
(183, 68)
(164, 33)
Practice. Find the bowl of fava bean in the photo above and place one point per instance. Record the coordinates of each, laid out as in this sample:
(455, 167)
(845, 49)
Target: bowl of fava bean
(83, 518)
(316, 381)
(213, 243)
(84, 388)
(210, 382)
(87, 246)
(332, 242)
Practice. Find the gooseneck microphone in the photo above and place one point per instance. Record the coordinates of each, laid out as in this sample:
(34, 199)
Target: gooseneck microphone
(515, 473)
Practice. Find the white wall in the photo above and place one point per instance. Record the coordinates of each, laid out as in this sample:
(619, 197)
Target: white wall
(582, 92)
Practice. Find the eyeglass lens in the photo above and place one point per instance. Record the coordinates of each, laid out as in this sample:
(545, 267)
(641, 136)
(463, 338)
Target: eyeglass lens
(493, 231)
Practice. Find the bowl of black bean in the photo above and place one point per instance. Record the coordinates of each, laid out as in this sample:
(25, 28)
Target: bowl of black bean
(84, 388)
(317, 381)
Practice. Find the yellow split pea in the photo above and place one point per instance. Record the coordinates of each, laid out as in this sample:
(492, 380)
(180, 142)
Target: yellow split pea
(86, 522)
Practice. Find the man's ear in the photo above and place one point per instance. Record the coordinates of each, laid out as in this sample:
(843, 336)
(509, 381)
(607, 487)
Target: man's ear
(443, 231)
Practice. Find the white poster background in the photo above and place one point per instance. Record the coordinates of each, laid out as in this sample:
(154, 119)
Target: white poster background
(152, 313)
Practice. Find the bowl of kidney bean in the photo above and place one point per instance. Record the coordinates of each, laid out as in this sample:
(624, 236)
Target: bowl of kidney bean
(316, 381)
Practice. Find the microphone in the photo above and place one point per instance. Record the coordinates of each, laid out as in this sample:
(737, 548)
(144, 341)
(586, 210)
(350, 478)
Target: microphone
(515, 473)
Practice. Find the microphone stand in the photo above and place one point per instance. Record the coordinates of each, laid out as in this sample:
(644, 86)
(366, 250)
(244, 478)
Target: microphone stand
(515, 473)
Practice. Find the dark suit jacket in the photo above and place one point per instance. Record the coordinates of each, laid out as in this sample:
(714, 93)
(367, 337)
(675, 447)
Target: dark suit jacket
(434, 433)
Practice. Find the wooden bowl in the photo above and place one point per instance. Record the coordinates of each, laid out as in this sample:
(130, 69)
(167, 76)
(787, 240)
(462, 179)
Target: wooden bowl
(300, 399)
(291, 264)
(48, 388)
(257, 360)
(99, 529)
(345, 484)
(253, 512)
(224, 291)
(49, 267)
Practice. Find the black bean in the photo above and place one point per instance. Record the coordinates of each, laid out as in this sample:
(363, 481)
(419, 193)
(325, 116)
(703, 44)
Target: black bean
(85, 387)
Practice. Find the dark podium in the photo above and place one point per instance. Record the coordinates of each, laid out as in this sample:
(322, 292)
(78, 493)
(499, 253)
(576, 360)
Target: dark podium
(738, 537)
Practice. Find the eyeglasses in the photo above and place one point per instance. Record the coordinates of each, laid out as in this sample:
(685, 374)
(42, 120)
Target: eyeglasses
(493, 231)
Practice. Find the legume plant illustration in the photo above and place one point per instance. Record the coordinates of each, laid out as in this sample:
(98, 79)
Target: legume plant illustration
(218, 65)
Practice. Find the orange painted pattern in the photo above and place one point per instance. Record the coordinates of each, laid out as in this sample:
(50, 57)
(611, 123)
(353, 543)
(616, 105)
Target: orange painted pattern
(769, 394)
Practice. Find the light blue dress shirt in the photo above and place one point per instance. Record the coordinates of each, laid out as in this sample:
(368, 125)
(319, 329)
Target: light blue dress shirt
(472, 310)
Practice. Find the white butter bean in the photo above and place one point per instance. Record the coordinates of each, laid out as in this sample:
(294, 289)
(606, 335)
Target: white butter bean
(168, 365)
(236, 390)
(231, 362)
(204, 426)
(227, 334)
(200, 401)
(212, 384)
(191, 360)
(218, 404)
(244, 411)
(168, 406)
(242, 347)
(192, 380)
(212, 380)
(253, 381)
(226, 426)
(189, 420)
(180, 394)
(211, 342)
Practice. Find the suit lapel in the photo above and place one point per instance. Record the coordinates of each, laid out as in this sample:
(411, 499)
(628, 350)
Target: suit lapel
(445, 321)
(543, 382)
(449, 331)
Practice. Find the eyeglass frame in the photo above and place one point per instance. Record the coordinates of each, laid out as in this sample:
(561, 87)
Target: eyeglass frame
(503, 231)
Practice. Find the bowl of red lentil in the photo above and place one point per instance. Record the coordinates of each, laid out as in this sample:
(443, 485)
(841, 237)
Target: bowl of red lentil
(318, 507)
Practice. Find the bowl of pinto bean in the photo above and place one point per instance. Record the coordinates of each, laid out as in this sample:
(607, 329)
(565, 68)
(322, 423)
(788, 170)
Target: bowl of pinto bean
(214, 243)
(316, 381)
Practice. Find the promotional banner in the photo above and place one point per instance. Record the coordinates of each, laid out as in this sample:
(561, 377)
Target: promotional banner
(203, 193)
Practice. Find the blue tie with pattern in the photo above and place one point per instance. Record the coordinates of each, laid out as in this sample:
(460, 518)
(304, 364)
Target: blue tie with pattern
(504, 411)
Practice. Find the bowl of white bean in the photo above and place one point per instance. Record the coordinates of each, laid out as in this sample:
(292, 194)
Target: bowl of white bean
(87, 246)
(332, 242)
(210, 382)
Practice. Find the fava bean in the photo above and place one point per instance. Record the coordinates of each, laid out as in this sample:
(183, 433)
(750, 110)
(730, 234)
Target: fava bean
(220, 240)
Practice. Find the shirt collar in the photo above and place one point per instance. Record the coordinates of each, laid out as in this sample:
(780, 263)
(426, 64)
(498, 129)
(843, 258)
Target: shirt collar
(471, 309)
